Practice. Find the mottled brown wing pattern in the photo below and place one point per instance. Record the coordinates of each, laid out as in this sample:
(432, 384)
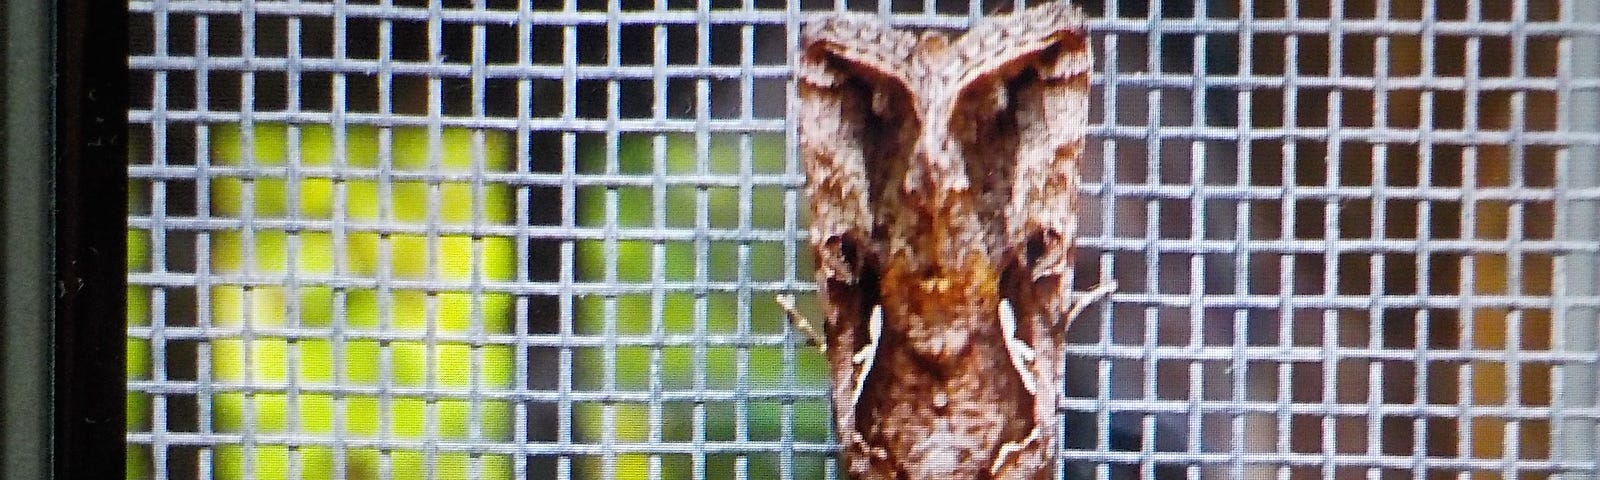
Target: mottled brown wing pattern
(942, 179)
(853, 91)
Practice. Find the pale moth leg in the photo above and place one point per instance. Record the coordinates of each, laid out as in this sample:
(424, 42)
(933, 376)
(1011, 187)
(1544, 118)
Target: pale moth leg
(868, 352)
(1011, 449)
(1021, 353)
(801, 323)
(862, 358)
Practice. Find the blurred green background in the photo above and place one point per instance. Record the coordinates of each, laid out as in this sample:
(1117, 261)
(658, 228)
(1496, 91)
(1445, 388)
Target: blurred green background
(704, 314)
(389, 331)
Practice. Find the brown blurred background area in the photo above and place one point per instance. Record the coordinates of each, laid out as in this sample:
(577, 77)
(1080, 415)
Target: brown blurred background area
(1419, 141)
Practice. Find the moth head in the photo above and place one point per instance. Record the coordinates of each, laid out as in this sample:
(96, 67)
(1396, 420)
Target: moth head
(932, 43)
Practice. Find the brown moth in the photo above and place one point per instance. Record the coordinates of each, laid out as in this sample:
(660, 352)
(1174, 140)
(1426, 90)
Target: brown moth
(943, 183)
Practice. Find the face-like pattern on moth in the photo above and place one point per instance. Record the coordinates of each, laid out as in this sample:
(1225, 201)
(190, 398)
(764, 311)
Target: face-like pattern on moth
(939, 305)
(924, 155)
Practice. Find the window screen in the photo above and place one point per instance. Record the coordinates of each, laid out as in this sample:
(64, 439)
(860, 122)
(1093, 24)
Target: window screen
(502, 239)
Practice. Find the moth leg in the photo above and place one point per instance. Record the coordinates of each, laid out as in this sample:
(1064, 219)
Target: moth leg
(1021, 353)
(801, 323)
(868, 353)
(1011, 451)
(1081, 302)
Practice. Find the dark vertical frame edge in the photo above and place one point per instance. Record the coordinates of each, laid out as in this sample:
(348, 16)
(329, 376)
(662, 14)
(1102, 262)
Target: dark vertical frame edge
(90, 229)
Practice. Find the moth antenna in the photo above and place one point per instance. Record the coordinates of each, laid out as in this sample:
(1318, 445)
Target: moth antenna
(801, 323)
(1083, 301)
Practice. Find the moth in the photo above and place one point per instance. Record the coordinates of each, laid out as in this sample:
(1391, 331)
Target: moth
(943, 175)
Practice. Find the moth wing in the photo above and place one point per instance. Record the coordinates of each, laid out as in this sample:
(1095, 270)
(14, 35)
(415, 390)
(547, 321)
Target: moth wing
(839, 45)
(1029, 74)
(854, 111)
(1050, 37)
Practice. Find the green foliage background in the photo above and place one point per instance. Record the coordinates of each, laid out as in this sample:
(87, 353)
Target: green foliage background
(699, 365)
(304, 345)
(286, 333)
(138, 368)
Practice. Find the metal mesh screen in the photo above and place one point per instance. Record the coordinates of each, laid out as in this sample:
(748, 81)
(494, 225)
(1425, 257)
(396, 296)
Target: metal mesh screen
(502, 239)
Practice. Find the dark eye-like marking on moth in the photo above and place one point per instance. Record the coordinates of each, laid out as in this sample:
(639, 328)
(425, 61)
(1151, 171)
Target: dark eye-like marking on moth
(942, 175)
